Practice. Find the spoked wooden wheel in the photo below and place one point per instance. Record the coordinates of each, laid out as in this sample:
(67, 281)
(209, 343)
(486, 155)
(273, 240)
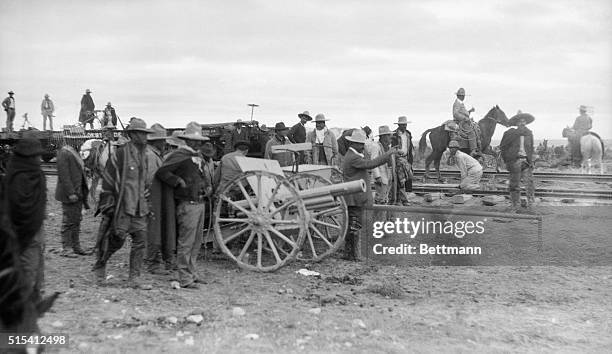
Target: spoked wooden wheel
(328, 220)
(260, 221)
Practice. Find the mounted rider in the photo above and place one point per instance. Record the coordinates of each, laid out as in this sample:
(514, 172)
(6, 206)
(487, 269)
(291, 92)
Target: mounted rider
(582, 125)
(467, 128)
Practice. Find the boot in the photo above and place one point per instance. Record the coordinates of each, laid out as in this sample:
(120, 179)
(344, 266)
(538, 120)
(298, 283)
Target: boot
(349, 247)
(100, 275)
(515, 198)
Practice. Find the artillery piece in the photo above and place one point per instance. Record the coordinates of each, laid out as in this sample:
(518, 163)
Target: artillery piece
(263, 219)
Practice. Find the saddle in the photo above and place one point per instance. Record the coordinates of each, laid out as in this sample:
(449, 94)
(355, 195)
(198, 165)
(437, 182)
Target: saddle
(461, 132)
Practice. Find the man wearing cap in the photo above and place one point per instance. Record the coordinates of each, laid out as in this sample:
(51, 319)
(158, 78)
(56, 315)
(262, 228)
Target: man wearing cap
(324, 144)
(228, 168)
(297, 133)
(25, 198)
(153, 256)
(517, 152)
(462, 117)
(470, 168)
(124, 199)
(240, 132)
(284, 158)
(9, 107)
(355, 167)
(87, 108)
(110, 116)
(47, 109)
(382, 174)
(402, 138)
(72, 192)
(183, 170)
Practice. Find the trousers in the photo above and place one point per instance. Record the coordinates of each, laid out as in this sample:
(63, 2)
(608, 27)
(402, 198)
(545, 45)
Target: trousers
(10, 118)
(190, 219)
(33, 263)
(47, 115)
(472, 180)
(520, 170)
(71, 225)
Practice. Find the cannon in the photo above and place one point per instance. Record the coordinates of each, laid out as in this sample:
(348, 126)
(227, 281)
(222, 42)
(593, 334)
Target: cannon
(267, 217)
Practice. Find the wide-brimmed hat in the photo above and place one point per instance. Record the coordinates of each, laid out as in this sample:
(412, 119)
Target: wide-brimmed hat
(208, 149)
(305, 115)
(264, 128)
(11, 92)
(242, 143)
(357, 136)
(384, 130)
(367, 130)
(403, 120)
(174, 139)
(454, 144)
(239, 122)
(46, 95)
(582, 108)
(460, 92)
(108, 104)
(28, 147)
(159, 132)
(280, 126)
(137, 124)
(320, 118)
(88, 91)
(526, 116)
(193, 131)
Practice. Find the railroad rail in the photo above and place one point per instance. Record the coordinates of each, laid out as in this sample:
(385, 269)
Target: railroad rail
(539, 192)
(577, 177)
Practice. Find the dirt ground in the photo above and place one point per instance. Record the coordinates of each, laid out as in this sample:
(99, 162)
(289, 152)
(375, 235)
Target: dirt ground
(561, 302)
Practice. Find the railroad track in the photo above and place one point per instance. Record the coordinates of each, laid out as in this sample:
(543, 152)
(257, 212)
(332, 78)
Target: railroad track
(575, 177)
(539, 192)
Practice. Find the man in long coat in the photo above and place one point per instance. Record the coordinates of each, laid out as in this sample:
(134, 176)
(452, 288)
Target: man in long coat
(87, 108)
(402, 138)
(324, 144)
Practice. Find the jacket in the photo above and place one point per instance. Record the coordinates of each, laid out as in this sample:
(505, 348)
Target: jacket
(383, 171)
(44, 109)
(397, 141)
(459, 111)
(355, 167)
(7, 103)
(283, 158)
(330, 146)
(70, 176)
(510, 145)
(187, 165)
(297, 133)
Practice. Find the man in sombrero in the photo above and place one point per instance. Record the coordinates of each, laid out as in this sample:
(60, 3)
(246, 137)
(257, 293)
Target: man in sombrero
(297, 133)
(517, 152)
(467, 127)
(402, 138)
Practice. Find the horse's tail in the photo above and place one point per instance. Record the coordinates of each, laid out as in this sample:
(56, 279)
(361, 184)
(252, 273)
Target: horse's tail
(603, 149)
(423, 141)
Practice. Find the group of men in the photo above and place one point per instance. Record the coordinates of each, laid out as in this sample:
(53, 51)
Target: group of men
(154, 190)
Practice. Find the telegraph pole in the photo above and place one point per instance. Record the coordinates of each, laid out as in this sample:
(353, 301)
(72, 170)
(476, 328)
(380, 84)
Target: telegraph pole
(252, 105)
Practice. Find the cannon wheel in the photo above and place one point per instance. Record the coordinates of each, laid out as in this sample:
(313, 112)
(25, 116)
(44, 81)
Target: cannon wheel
(327, 227)
(257, 233)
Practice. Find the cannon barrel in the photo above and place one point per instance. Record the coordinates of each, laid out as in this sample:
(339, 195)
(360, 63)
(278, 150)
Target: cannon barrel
(334, 190)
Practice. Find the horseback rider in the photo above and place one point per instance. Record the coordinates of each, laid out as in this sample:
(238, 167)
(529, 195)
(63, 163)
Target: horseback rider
(582, 125)
(464, 121)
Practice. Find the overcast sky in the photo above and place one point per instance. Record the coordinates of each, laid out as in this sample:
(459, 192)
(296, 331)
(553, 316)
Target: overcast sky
(358, 62)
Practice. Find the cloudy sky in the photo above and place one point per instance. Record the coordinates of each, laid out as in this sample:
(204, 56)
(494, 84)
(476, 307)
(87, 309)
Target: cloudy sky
(359, 62)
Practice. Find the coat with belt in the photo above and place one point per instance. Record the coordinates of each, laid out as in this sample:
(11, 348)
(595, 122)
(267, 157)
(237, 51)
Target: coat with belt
(330, 146)
(355, 167)
(70, 176)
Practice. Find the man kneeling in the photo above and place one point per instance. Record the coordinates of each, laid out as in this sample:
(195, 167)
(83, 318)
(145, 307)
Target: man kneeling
(471, 170)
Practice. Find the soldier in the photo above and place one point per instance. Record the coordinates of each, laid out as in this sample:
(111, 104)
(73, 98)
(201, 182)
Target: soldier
(297, 133)
(462, 117)
(402, 138)
(9, 107)
(154, 256)
(324, 144)
(110, 116)
(383, 174)
(87, 109)
(284, 158)
(72, 192)
(355, 167)
(470, 168)
(517, 152)
(123, 198)
(47, 109)
(184, 171)
(25, 199)
(240, 132)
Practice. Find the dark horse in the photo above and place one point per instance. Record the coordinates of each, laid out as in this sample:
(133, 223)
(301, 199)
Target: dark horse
(440, 138)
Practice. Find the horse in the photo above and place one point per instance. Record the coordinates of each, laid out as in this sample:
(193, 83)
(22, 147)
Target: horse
(95, 153)
(591, 149)
(440, 138)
